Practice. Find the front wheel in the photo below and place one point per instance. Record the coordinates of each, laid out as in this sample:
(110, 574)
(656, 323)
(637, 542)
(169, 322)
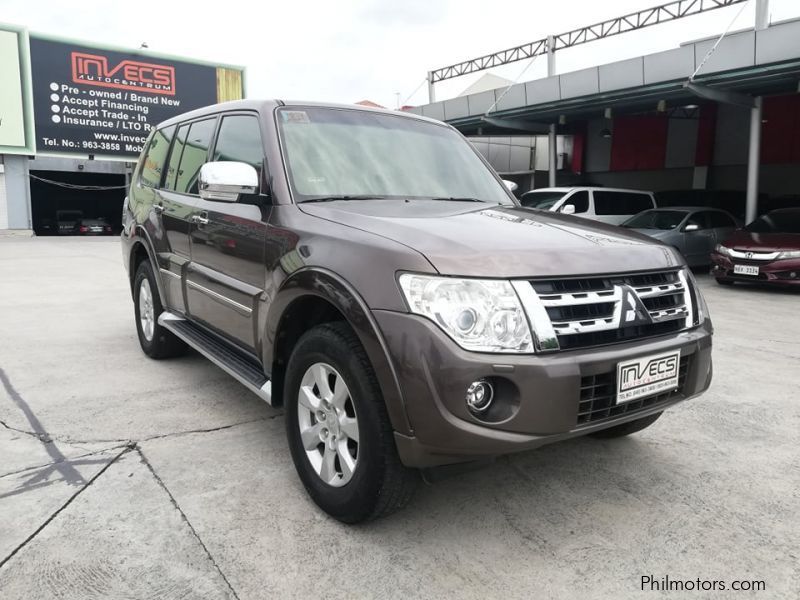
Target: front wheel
(155, 341)
(338, 430)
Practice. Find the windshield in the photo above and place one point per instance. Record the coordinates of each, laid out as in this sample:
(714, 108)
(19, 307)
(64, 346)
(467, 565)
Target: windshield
(362, 155)
(656, 219)
(541, 200)
(779, 221)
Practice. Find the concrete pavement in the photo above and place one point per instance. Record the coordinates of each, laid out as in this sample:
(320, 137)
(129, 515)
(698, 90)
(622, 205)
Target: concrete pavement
(123, 477)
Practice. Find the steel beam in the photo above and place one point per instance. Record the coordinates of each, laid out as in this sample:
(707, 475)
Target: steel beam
(529, 126)
(717, 95)
(619, 25)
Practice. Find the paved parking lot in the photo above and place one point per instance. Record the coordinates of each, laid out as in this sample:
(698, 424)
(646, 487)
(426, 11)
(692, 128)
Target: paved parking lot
(122, 477)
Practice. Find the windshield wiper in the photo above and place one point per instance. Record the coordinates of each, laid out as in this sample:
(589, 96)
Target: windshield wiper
(455, 199)
(343, 197)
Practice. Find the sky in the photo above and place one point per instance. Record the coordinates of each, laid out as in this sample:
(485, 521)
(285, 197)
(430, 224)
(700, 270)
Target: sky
(350, 50)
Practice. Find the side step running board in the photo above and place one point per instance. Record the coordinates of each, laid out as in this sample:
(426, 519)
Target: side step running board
(240, 367)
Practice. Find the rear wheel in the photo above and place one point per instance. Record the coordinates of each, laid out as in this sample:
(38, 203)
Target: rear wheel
(155, 341)
(627, 428)
(338, 430)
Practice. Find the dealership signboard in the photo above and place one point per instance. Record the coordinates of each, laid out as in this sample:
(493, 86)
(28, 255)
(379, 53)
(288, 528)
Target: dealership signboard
(16, 134)
(103, 102)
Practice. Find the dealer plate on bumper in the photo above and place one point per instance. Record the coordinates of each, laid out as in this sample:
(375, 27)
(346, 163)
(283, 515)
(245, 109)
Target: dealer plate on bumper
(647, 376)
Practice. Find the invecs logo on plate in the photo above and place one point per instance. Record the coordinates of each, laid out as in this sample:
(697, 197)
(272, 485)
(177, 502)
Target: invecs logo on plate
(93, 69)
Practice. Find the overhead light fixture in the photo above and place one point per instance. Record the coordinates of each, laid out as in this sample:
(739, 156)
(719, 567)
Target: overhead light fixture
(605, 132)
(607, 113)
(562, 119)
(691, 106)
(661, 106)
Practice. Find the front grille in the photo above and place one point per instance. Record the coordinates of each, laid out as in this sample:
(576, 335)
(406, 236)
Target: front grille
(613, 336)
(594, 311)
(599, 396)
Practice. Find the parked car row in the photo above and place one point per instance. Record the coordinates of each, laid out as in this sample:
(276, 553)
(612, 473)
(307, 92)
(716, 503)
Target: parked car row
(767, 250)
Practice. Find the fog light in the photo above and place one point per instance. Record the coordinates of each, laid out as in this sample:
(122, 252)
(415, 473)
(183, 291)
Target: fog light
(792, 275)
(479, 395)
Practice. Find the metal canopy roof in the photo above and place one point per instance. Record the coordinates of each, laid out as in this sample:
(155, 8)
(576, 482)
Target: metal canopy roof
(751, 62)
(774, 79)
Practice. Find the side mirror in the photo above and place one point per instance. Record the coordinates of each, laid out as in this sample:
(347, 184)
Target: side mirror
(225, 181)
(691, 227)
(512, 187)
(567, 209)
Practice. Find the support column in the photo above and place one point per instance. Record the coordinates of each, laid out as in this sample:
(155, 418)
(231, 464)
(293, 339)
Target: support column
(18, 192)
(551, 56)
(762, 14)
(552, 152)
(431, 90)
(753, 161)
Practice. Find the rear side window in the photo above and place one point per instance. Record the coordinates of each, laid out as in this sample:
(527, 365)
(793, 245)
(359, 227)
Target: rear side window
(239, 139)
(620, 203)
(155, 156)
(194, 155)
(175, 157)
(701, 219)
(580, 200)
(720, 219)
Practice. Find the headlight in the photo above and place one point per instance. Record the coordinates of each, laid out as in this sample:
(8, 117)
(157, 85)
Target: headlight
(789, 254)
(480, 315)
(719, 248)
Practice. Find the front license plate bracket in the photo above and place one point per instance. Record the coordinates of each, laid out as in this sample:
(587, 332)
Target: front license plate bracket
(647, 376)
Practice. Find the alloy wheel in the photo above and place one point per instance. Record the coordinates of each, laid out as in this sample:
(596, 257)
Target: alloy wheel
(328, 424)
(146, 312)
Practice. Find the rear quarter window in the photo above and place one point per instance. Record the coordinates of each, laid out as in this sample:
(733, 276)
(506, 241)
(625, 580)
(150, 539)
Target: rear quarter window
(155, 156)
(620, 203)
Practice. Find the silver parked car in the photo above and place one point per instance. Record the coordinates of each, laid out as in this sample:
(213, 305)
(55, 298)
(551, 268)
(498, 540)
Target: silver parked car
(692, 230)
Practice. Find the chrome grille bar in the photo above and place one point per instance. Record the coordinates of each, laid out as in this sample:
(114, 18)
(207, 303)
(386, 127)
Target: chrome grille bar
(601, 310)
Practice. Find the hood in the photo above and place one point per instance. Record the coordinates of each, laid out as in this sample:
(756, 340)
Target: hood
(478, 240)
(762, 242)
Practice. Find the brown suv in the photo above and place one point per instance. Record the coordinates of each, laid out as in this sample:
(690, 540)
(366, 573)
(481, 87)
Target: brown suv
(367, 271)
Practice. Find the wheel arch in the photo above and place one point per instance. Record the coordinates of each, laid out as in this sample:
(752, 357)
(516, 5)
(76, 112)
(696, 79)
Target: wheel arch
(310, 297)
(141, 249)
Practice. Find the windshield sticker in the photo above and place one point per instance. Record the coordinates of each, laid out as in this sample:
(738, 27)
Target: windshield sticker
(295, 116)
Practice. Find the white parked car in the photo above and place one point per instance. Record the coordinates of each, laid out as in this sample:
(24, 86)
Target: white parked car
(609, 205)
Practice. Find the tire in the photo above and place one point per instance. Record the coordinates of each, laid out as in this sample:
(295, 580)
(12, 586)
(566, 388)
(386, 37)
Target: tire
(725, 282)
(156, 342)
(356, 478)
(627, 428)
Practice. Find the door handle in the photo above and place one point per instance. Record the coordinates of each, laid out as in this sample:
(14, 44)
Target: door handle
(199, 219)
(159, 208)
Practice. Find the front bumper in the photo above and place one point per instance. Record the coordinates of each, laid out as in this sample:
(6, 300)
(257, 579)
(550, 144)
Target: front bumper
(776, 272)
(434, 374)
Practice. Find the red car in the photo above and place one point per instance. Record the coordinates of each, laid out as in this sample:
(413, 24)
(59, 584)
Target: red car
(766, 251)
